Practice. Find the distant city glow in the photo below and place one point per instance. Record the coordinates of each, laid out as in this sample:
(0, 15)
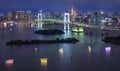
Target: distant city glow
(11, 29)
(5, 24)
(118, 19)
(109, 23)
(102, 12)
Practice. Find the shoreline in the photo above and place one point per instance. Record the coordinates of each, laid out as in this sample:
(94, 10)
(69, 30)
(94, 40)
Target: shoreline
(31, 42)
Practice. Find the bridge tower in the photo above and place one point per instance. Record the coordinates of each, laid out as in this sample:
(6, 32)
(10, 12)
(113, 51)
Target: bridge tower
(66, 21)
(40, 18)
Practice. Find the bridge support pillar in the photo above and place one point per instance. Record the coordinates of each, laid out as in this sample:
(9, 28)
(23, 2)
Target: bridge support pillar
(66, 21)
(39, 18)
(66, 26)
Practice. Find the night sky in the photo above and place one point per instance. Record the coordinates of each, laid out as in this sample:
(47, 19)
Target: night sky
(59, 5)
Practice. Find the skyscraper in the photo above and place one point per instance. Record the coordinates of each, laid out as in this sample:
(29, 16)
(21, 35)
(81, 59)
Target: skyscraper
(9, 15)
(28, 15)
(20, 15)
(72, 13)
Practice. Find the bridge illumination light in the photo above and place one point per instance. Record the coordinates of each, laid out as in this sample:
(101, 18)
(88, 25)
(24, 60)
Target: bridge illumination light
(66, 17)
(66, 21)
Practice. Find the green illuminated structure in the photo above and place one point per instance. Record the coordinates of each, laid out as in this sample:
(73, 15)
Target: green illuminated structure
(77, 29)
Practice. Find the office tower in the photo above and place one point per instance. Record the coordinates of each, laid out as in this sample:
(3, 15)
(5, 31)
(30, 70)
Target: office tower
(28, 15)
(9, 16)
(20, 15)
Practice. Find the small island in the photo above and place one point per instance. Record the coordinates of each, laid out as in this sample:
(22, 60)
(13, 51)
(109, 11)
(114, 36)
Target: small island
(29, 42)
(49, 32)
(114, 40)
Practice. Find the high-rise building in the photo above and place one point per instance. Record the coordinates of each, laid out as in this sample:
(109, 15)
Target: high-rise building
(72, 13)
(1, 17)
(28, 15)
(9, 15)
(15, 16)
(118, 19)
(20, 15)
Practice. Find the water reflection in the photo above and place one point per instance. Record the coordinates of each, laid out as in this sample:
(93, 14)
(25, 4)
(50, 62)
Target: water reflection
(109, 23)
(61, 50)
(66, 51)
(89, 49)
(36, 49)
(39, 25)
(43, 63)
(79, 36)
(9, 63)
(108, 50)
(67, 34)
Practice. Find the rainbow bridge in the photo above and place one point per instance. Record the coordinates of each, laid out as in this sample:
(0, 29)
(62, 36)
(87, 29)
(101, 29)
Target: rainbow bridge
(78, 24)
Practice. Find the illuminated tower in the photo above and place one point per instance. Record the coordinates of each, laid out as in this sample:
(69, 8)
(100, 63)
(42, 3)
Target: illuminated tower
(66, 21)
(72, 13)
(40, 18)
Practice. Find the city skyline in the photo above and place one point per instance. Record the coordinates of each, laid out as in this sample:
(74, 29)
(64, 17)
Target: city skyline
(59, 5)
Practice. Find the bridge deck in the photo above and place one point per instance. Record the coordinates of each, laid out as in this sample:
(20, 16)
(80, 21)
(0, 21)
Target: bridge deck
(85, 25)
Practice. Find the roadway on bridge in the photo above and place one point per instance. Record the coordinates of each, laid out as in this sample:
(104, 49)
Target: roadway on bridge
(85, 25)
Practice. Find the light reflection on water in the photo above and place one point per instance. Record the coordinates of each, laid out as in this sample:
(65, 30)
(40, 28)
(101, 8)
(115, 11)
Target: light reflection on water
(87, 55)
(108, 50)
(43, 63)
(36, 49)
(79, 36)
(61, 50)
(9, 64)
(89, 49)
(67, 34)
